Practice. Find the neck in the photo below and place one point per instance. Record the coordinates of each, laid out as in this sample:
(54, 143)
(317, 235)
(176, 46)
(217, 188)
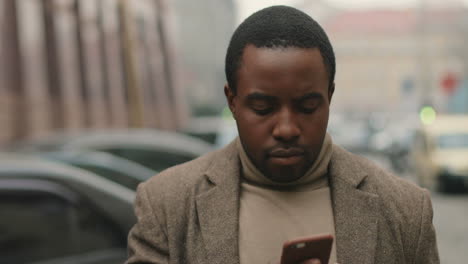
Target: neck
(316, 175)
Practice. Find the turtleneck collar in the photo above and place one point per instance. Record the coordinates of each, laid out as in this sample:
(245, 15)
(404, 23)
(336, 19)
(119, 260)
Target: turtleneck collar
(315, 177)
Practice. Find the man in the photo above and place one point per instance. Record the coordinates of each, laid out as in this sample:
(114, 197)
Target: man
(282, 178)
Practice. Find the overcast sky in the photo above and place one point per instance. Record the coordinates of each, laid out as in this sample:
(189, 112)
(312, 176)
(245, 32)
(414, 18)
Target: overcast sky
(247, 7)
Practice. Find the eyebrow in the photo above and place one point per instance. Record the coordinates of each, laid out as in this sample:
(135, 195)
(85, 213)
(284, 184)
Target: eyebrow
(260, 96)
(309, 96)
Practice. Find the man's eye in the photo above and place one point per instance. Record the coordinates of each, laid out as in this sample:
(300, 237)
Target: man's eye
(307, 110)
(262, 110)
(261, 107)
(309, 107)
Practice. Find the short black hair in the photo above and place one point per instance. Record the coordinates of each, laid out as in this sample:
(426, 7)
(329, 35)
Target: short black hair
(278, 27)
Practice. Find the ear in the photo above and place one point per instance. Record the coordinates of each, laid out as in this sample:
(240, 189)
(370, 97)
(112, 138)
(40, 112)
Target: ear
(230, 96)
(331, 90)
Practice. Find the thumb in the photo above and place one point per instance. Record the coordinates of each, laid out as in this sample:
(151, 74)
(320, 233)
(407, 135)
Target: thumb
(311, 261)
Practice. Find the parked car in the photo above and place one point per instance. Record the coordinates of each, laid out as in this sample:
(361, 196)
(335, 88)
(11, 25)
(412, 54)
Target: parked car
(395, 140)
(440, 153)
(51, 142)
(119, 170)
(351, 131)
(205, 128)
(55, 214)
(153, 149)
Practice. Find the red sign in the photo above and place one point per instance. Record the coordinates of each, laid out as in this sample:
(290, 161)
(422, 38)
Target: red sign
(449, 83)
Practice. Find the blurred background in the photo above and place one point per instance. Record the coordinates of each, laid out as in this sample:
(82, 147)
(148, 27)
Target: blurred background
(99, 95)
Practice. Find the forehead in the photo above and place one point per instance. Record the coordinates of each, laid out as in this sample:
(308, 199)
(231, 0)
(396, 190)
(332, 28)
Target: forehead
(291, 69)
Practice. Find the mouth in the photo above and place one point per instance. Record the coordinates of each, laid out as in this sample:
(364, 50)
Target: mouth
(286, 156)
(286, 152)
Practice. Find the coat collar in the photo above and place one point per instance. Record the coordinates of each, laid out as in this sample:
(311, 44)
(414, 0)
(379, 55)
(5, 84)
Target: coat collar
(355, 208)
(218, 208)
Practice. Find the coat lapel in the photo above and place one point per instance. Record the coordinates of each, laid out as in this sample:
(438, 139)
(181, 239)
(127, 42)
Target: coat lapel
(218, 209)
(355, 210)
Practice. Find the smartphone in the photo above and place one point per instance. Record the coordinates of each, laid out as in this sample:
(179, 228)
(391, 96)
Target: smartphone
(300, 249)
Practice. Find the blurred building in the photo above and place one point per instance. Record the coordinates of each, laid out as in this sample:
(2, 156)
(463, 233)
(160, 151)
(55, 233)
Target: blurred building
(204, 30)
(70, 65)
(397, 60)
(320, 10)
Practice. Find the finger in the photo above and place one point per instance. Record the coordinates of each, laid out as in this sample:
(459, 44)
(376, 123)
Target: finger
(311, 261)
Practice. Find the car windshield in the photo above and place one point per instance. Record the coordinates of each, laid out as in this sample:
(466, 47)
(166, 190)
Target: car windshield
(449, 141)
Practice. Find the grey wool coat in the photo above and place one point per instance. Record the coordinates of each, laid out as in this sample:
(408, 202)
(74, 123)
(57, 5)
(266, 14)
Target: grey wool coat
(190, 214)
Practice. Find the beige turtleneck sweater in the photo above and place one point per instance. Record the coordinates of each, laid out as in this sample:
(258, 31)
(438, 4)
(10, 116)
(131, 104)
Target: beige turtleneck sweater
(272, 213)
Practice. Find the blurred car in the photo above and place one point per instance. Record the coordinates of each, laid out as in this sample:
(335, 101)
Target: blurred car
(440, 154)
(350, 131)
(154, 149)
(395, 140)
(51, 142)
(205, 128)
(119, 170)
(51, 213)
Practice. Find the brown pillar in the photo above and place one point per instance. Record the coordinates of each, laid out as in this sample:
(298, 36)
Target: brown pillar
(12, 71)
(93, 61)
(177, 101)
(4, 134)
(52, 58)
(133, 87)
(103, 62)
(113, 62)
(81, 64)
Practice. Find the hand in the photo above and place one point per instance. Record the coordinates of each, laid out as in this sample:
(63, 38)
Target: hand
(311, 261)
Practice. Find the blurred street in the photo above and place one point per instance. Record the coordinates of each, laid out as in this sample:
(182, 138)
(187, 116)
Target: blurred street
(450, 216)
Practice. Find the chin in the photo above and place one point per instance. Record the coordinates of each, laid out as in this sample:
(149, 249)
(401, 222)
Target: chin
(285, 175)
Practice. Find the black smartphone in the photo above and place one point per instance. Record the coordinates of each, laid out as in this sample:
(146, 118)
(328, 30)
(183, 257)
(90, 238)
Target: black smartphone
(300, 249)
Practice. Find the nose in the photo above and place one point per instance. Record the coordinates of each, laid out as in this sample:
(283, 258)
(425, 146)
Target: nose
(286, 128)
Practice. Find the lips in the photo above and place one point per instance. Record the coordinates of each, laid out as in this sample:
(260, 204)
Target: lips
(286, 156)
(286, 152)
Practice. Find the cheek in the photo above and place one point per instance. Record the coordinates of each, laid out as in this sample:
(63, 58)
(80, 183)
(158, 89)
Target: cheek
(252, 129)
(314, 128)
(253, 132)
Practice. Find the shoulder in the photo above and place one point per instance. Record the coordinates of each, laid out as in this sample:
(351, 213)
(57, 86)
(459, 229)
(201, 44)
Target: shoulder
(405, 209)
(372, 174)
(187, 178)
(394, 191)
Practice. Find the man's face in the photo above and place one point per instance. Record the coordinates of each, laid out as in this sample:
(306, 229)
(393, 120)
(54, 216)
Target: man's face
(281, 109)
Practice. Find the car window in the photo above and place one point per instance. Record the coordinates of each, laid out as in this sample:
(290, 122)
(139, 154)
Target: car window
(38, 225)
(32, 225)
(96, 232)
(450, 141)
(155, 160)
(113, 175)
